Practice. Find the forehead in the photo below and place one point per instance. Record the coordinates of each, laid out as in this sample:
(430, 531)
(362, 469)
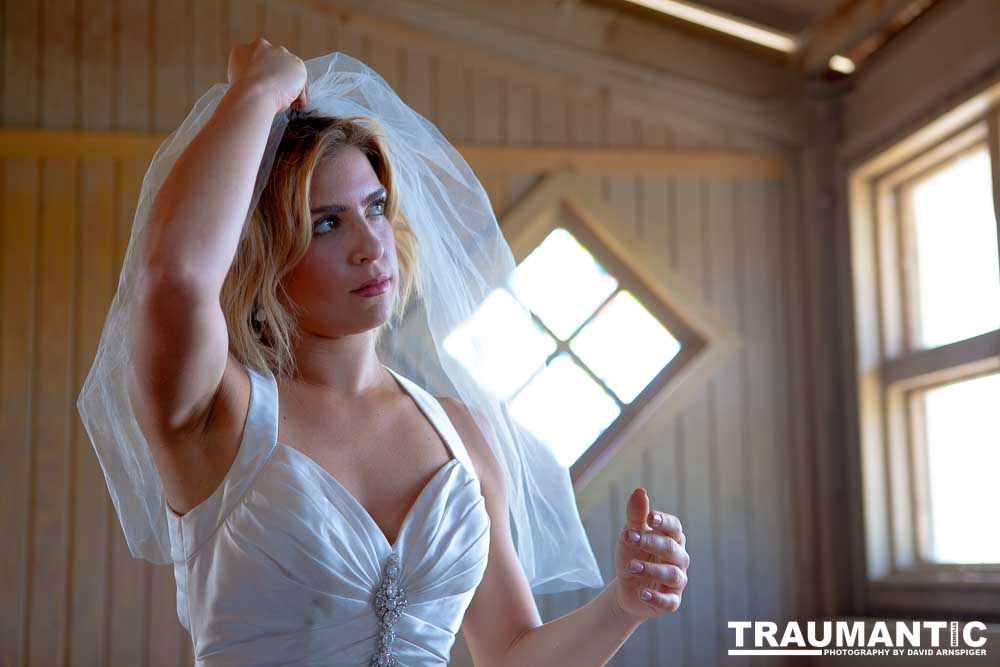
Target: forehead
(344, 176)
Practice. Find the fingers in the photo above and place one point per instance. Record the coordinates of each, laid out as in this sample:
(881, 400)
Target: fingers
(663, 546)
(667, 524)
(636, 510)
(668, 575)
(660, 601)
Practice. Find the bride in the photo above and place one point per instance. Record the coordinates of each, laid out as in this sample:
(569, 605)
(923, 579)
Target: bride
(317, 504)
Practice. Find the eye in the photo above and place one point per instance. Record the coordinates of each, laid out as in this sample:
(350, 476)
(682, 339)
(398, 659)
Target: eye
(322, 221)
(379, 207)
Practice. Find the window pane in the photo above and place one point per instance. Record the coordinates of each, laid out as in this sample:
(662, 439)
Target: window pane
(564, 408)
(958, 277)
(963, 438)
(625, 346)
(517, 346)
(562, 282)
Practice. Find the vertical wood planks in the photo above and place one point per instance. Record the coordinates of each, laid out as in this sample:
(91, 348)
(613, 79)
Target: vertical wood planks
(658, 221)
(486, 127)
(279, 26)
(801, 465)
(130, 584)
(784, 542)
(95, 278)
(418, 87)
(451, 108)
(621, 194)
(587, 126)
(245, 22)
(133, 94)
(22, 23)
(49, 499)
(520, 128)
(731, 526)
(315, 38)
(93, 282)
(19, 234)
(209, 36)
(171, 78)
(698, 504)
(765, 488)
(49, 462)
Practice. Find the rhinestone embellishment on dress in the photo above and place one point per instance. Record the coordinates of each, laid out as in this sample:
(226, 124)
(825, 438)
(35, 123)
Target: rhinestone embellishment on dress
(390, 601)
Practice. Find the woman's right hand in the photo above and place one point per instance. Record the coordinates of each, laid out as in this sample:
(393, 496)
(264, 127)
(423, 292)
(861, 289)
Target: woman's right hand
(272, 71)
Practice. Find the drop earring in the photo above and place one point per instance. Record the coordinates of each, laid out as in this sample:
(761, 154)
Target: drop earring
(259, 315)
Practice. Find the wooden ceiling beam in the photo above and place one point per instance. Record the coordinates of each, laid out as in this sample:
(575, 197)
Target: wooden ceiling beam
(848, 26)
(441, 28)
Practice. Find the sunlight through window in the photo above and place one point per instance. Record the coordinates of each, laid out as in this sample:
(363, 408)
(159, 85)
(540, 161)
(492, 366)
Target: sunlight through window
(564, 408)
(517, 346)
(956, 252)
(562, 283)
(625, 346)
(963, 442)
(563, 323)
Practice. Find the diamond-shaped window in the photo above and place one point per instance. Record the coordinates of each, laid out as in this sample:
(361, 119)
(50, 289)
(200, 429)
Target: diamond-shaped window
(590, 338)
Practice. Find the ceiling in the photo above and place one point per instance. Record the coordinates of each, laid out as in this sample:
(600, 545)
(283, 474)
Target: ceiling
(853, 29)
(791, 16)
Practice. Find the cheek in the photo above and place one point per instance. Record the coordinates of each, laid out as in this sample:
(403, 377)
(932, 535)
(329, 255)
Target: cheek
(389, 244)
(316, 270)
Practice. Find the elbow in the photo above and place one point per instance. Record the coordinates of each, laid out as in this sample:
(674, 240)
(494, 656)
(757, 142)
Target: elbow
(171, 283)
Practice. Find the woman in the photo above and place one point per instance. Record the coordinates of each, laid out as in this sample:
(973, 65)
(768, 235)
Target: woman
(319, 506)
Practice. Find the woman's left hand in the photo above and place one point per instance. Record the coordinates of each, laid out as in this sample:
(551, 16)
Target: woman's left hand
(662, 554)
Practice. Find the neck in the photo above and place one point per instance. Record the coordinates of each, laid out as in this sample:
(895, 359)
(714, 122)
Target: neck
(345, 367)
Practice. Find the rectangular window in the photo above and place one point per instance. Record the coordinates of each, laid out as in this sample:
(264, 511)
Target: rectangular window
(925, 239)
(948, 214)
(960, 439)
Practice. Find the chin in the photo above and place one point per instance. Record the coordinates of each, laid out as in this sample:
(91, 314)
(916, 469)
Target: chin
(374, 319)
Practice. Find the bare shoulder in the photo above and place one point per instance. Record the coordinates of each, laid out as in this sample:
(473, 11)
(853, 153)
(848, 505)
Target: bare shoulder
(485, 461)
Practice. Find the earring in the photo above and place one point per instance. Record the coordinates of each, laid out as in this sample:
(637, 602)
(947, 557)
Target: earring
(259, 315)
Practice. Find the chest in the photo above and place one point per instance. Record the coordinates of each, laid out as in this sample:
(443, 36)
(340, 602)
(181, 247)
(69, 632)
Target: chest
(383, 456)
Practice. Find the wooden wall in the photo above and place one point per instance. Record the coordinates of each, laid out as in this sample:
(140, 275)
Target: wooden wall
(738, 462)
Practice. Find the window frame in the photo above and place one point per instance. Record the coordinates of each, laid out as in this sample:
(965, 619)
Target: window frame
(558, 200)
(892, 372)
(691, 343)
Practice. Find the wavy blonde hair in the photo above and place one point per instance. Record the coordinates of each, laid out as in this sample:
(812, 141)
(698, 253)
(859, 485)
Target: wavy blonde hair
(280, 230)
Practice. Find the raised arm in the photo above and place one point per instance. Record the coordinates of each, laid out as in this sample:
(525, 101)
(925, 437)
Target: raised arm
(178, 337)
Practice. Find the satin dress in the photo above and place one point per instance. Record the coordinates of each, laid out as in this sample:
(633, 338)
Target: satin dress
(281, 565)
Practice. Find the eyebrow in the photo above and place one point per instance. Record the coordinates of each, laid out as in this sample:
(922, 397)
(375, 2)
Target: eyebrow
(340, 208)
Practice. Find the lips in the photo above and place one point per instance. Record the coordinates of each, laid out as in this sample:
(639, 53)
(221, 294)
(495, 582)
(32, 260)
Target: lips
(373, 286)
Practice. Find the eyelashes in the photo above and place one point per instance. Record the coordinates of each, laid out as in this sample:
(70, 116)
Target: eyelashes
(333, 219)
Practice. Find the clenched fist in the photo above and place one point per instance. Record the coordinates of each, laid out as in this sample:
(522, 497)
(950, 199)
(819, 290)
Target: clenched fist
(274, 72)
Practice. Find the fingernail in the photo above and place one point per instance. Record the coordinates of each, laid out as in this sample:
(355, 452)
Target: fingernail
(646, 595)
(635, 566)
(657, 519)
(632, 536)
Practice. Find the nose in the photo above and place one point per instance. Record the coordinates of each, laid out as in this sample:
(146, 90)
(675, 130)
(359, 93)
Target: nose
(367, 246)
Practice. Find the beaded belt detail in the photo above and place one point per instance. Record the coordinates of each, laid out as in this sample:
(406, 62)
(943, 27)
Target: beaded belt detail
(390, 601)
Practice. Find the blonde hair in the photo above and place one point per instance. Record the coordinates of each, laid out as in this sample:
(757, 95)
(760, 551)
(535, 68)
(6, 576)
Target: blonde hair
(280, 230)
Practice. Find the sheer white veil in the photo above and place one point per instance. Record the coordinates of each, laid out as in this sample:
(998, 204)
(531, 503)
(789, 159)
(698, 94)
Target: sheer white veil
(463, 258)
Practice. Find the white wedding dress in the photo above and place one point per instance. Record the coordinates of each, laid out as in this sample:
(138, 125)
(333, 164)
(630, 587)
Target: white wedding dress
(281, 565)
